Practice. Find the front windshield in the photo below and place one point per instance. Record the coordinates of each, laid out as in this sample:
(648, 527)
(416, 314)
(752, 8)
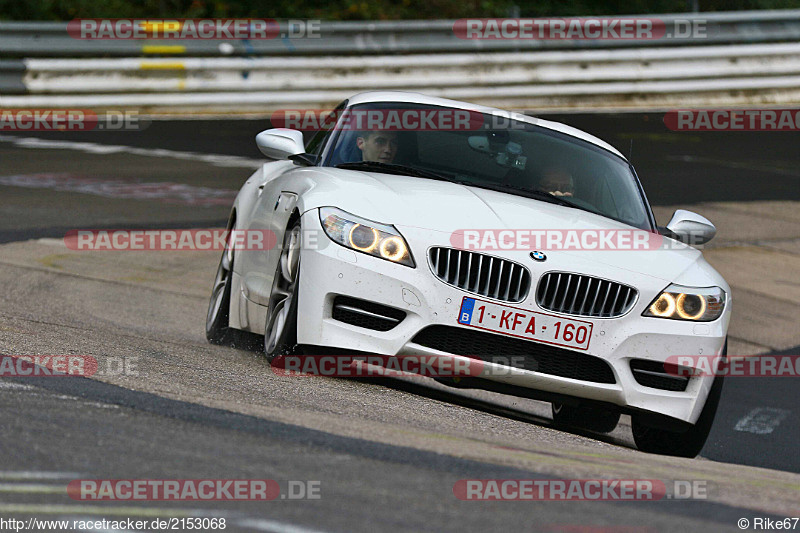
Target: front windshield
(490, 152)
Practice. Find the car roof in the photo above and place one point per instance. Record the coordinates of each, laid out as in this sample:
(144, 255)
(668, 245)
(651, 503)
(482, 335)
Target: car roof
(419, 98)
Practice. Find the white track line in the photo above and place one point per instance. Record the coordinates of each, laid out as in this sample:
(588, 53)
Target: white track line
(105, 510)
(274, 527)
(762, 420)
(8, 385)
(32, 488)
(11, 475)
(96, 148)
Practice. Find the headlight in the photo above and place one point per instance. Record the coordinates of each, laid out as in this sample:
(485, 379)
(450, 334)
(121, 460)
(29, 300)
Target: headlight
(366, 236)
(688, 303)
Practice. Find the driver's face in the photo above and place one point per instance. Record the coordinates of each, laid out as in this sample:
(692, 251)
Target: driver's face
(378, 146)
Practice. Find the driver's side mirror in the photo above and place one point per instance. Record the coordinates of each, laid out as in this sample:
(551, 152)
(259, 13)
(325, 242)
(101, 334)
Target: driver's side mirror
(280, 143)
(690, 228)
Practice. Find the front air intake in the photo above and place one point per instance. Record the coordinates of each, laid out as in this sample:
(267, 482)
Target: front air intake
(519, 353)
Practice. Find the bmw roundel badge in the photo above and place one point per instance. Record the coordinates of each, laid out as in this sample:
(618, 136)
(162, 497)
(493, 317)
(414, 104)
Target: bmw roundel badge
(538, 256)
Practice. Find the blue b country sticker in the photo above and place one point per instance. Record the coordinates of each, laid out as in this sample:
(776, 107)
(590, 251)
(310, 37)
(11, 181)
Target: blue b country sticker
(465, 316)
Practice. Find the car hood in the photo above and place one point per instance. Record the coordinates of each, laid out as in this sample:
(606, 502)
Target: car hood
(444, 210)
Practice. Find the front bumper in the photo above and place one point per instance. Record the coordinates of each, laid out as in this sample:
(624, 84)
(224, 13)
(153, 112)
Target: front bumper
(332, 270)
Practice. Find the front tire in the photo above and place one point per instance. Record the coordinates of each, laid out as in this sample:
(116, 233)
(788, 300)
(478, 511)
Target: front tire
(684, 444)
(280, 333)
(218, 330)
(598, 420)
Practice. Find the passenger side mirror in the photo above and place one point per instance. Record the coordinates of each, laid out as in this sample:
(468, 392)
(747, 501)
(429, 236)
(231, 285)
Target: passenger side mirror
(691, 228)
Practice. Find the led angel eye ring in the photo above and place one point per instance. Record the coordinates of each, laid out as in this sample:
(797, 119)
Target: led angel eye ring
(371, 247)
(670, 302)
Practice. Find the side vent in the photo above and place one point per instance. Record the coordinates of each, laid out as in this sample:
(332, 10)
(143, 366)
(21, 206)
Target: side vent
(654, 375)
(365, 314)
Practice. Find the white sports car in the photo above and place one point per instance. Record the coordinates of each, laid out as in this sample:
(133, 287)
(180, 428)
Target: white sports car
(451, 229)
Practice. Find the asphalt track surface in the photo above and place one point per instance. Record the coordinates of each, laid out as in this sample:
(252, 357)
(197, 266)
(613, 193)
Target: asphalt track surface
(385, 452)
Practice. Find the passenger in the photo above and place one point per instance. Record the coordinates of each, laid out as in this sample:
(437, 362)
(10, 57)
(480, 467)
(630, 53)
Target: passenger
(557, 182)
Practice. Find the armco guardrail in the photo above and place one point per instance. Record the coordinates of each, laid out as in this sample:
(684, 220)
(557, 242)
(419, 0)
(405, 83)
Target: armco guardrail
(571, 75)
(618, 79)
(36, 39)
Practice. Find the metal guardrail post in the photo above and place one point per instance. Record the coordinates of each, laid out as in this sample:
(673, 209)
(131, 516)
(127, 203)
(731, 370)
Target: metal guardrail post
(12, 73)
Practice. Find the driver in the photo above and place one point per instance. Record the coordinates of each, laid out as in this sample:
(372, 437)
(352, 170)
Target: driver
(557, 182)
(380, 146)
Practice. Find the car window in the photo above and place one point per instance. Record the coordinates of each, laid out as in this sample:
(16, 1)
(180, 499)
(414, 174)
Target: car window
(518, 157)
(446, 151)
(317, 143)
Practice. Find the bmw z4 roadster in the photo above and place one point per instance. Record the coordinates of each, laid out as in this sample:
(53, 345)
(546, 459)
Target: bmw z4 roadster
(412, 225)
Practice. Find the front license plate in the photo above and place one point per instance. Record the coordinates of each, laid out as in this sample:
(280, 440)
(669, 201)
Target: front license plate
(529, 325)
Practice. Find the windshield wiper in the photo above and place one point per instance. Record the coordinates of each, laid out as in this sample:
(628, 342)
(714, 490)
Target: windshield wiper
(392, 168)
(536, 195)
(529, 193)
(543, 195)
